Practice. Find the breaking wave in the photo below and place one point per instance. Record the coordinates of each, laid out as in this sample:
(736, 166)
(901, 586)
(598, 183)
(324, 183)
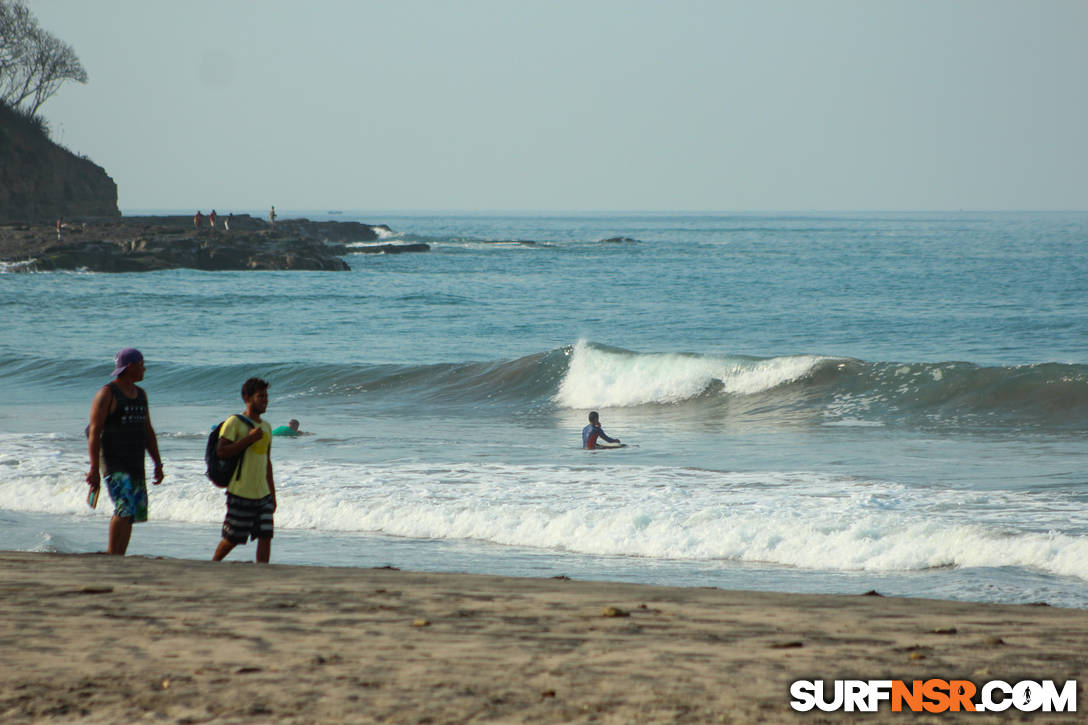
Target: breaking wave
(822, 389)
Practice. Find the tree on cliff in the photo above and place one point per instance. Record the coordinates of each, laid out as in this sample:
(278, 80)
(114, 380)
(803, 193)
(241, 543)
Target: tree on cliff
(33, 63)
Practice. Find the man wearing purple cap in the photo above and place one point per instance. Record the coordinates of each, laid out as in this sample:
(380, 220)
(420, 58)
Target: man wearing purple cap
(119, 433)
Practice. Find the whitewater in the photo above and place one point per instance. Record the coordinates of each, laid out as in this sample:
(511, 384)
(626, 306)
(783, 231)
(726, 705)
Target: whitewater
(817, 403)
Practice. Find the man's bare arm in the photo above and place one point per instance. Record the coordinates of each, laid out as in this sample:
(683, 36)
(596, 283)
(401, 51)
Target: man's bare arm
(152, 444)
(229, 449)
(100, 409)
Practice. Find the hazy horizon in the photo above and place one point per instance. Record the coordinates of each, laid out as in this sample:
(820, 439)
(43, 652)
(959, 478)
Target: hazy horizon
(283, 212)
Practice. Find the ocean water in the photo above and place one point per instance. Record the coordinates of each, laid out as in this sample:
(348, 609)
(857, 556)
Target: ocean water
(812, 402)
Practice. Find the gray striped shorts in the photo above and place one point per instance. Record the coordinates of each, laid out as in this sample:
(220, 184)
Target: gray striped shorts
(247, 519)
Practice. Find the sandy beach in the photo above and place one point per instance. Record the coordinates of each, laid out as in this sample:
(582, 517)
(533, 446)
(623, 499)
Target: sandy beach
(90, 638)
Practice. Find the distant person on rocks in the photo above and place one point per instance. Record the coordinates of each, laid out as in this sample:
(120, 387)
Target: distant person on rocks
(272, 217)
(60, 235)
(227, 221)
(593, 431)
(251, 494)
(211, 220)
(291, 429)
(198, 219)
(119, 433)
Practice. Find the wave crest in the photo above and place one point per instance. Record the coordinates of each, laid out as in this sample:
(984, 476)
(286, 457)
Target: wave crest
(602, 377)
(790, 389)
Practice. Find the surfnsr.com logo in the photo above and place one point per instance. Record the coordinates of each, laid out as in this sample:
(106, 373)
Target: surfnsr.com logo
(933, 695)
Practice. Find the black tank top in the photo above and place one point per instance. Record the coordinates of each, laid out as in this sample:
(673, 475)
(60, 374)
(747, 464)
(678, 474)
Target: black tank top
(124, 436)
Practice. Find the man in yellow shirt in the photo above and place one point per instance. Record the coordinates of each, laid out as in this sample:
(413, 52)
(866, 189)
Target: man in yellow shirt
(251, 495)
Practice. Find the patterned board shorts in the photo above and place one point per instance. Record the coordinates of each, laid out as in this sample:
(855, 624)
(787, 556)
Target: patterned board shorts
(129, 496)
(248, 519)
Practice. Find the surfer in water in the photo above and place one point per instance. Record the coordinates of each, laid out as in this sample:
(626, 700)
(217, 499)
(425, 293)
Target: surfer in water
(593, 431)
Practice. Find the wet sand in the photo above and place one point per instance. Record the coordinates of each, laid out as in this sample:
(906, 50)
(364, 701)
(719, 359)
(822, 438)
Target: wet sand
(96, 639)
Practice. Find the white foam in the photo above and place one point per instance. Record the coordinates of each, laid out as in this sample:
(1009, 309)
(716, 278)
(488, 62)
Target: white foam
(807, 520)
(23, 266)
(802, 520)
(854, 423)
(600, 378)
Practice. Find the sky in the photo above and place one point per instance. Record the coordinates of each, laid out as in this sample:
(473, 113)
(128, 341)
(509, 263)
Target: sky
(579, 105)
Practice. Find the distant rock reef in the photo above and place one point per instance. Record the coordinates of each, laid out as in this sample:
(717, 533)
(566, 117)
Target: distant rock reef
(142, 244)
(41, 182)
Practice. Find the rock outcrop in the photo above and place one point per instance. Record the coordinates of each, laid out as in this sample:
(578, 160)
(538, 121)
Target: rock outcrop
(41, 181)
(141, 244)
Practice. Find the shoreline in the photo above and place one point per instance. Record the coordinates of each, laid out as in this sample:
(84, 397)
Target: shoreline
(104, 639)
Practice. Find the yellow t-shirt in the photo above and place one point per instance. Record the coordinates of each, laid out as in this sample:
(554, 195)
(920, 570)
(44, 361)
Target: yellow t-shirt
(251, 478)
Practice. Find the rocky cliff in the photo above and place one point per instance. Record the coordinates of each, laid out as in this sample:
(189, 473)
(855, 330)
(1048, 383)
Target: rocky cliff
(40, 181)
